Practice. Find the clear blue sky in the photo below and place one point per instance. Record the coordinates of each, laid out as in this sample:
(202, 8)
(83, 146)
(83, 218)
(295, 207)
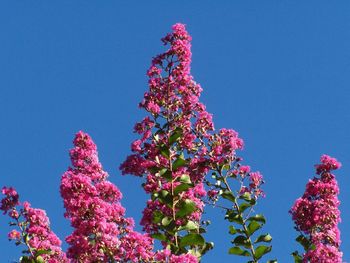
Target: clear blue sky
(275, 71)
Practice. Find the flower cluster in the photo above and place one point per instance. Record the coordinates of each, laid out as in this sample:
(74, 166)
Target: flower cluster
(33, 230)
(178, 147)
(166, 256)
(226, 164)
(316, 214)
(171, 152)
(10, 201)
(101, 232)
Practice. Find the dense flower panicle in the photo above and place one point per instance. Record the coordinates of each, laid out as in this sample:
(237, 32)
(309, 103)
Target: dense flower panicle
(178, 128)
(316, 214)
(34, 226)
(178, 122)
(101, 232)
(323, 253)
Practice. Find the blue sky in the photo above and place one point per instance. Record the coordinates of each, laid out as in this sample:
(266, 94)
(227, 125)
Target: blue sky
(275, 71)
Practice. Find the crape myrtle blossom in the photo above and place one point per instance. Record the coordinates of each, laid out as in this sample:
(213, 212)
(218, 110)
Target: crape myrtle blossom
(171, 152)
(165, 256)
(316, 214)
(101, 232)
(177, 147)
(33, 230)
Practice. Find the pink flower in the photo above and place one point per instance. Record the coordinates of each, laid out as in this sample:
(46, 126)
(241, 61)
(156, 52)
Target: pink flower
(213, 193)
(255, 179)
(244, 169)
(14, 234)
(11, 199)
(327, 164)
(136, 146)
(133, 165)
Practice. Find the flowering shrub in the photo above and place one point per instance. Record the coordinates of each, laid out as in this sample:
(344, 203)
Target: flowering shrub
(316, 216)
(185, 164)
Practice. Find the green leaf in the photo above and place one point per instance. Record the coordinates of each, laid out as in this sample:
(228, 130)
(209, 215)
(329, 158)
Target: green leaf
(244, 206)
(241, 241)
(297, 257)
(252, 227)
(163, 171)
(186, 207)
(232, 216)
(42, 252)
(168, 176)
(228, 195)
(192, 240)
(179, 162)
(262, 250)
(264, 238)
(185, 178)
(195, 252)
(238, 251)
(157, 217)
(189, 226)
(181, 188)
(165, 151)
(165, 198)
(225, 167)
(208, 246)
(305, 242)
(25, 259)
(166, 221)
(259, 218)
(39, 259)
(246, 196)
(252, 201)
(202, 230)
(175, 136)
(232, 230)
(159, 236)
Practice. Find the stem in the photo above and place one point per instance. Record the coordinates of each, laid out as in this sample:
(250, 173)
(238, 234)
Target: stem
(216, 205)
(236, 205)
(24, 240)
(170, 155)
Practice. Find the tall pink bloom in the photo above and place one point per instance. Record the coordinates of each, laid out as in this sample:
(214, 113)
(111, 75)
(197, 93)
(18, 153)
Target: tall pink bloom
(171, 152)
(316, 215)
(33, 230)
(101, 232)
